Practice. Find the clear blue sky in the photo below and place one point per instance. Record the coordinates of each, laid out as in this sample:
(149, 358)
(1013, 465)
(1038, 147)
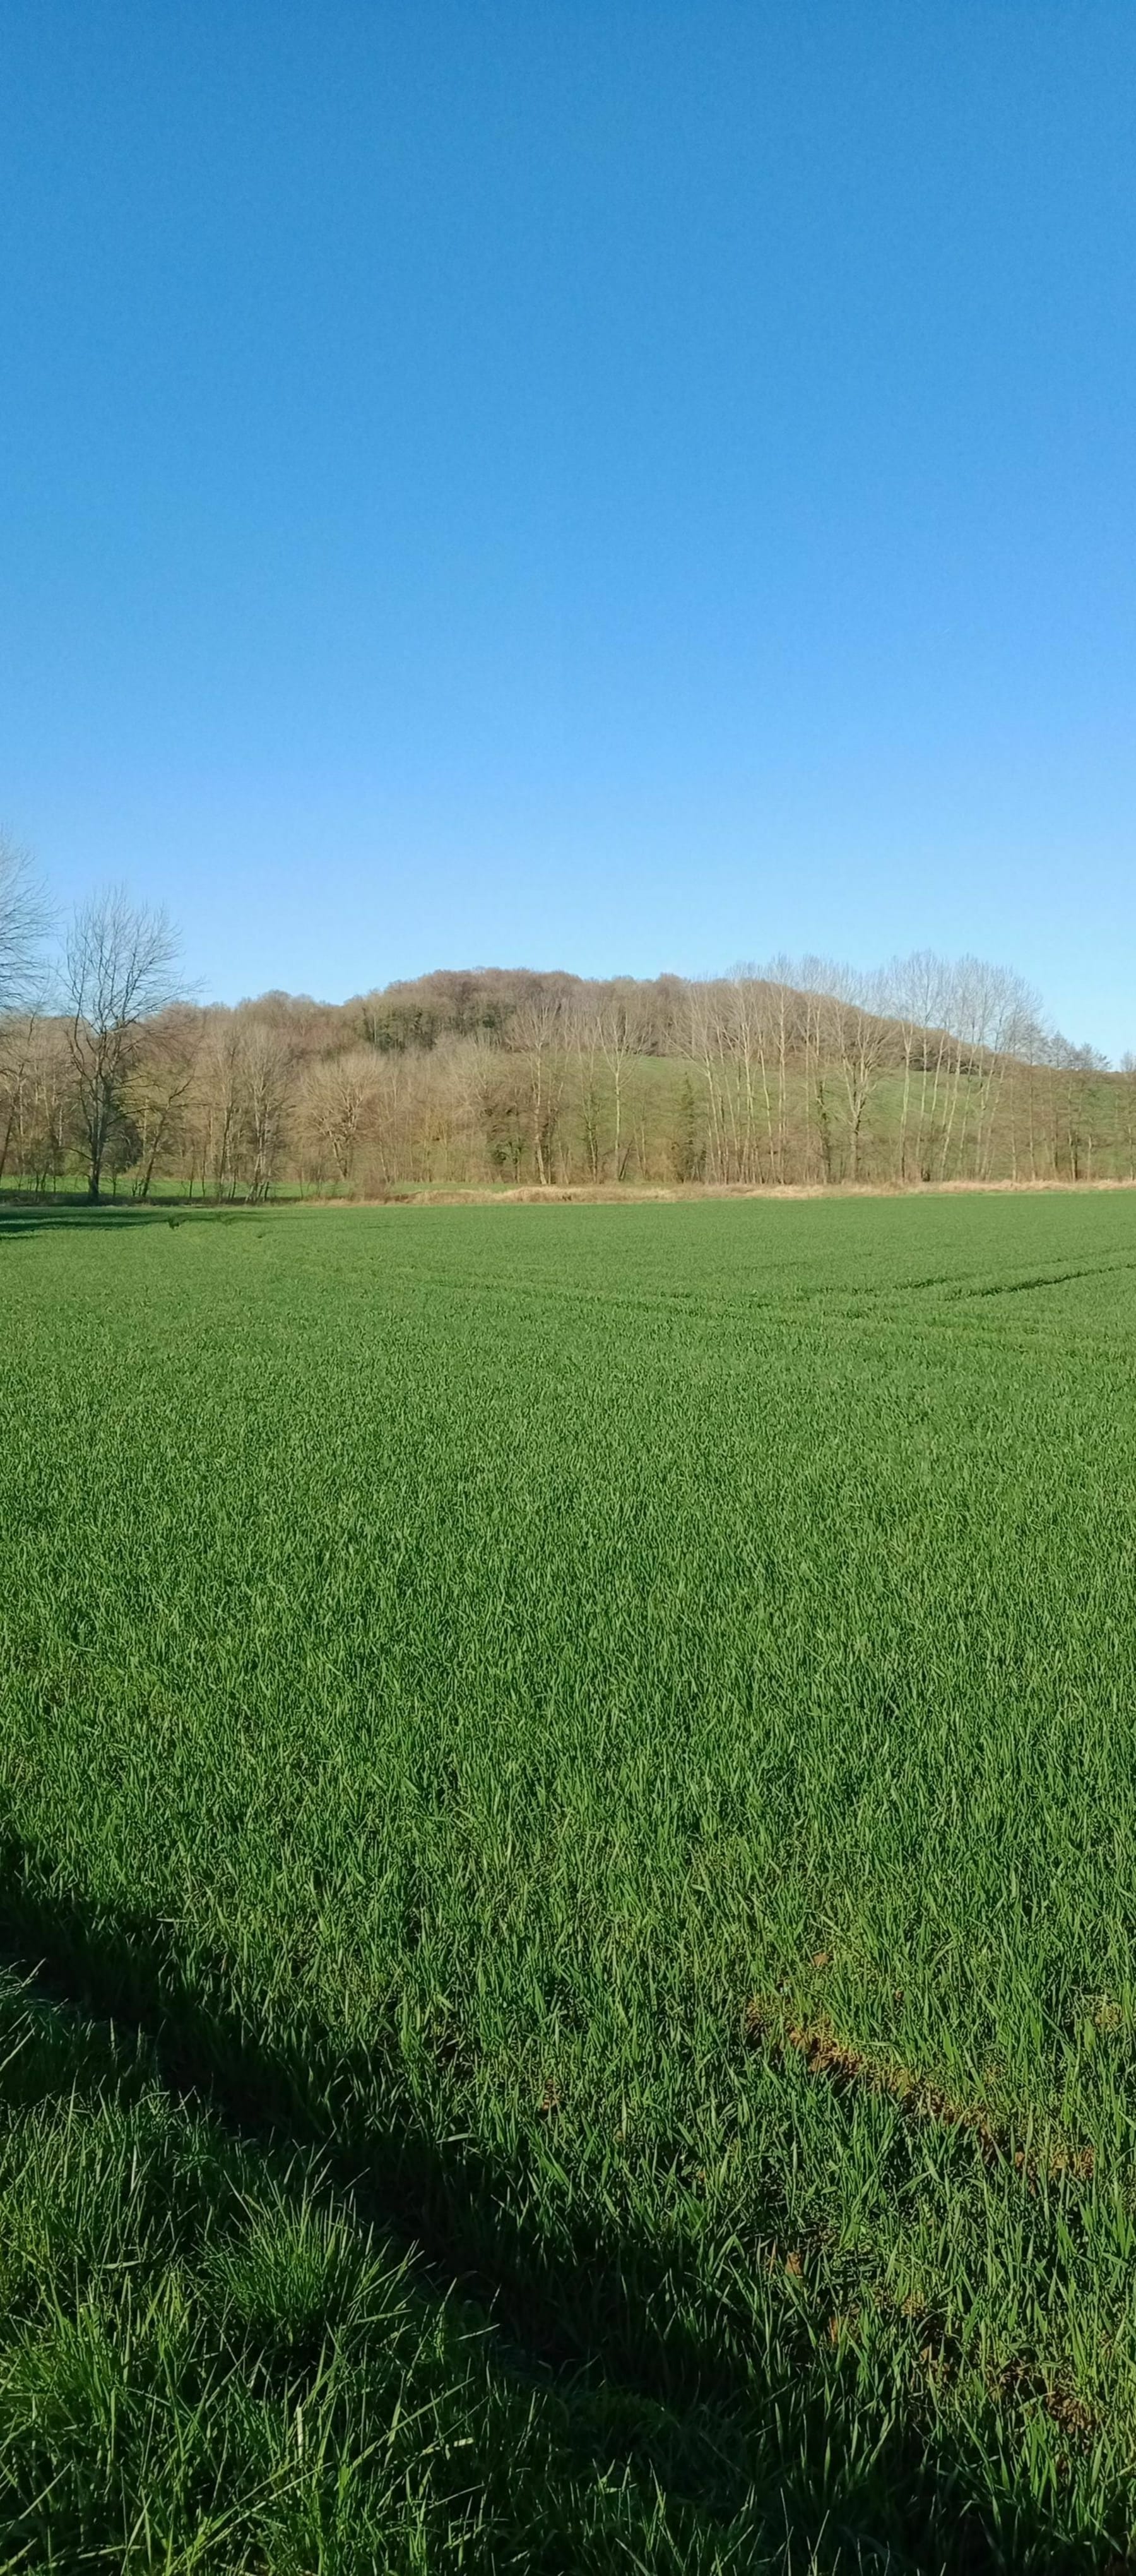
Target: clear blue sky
(576, 482)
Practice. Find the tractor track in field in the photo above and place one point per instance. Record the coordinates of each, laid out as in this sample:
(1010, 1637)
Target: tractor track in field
(818, 2046)
(449, 2204)
(96, 1962)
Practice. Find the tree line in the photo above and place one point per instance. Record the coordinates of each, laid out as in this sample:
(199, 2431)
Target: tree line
(113, 1079)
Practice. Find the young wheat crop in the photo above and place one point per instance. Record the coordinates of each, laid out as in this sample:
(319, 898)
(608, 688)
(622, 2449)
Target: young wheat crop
(583, 1754)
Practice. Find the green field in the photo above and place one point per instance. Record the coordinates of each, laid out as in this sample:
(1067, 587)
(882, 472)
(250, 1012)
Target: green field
(567, 1887)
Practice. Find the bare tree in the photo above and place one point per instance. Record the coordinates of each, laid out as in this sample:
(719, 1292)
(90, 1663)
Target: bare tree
(1126, 1103)
(118, 975)
(213, 1109)
(916, 988)
(857, 1039)
(16, 1040)
(607, 1027)
(267, 1070)
(778, 978)
(25, 919)
(500, 1093)
(537, 1031)
(1011, 1011)
(157, 1093)
(584, 1036)
(338, 1094)
(34, 1124)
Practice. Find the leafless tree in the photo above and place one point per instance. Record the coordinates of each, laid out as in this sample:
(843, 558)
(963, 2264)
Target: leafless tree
(857, 1039)
(25, 919)
(16, 1040)
(44, 1125)
(916, 994)
(157, 1092)
(34, 1088)
(339, 1092)
(118, 975)
(537, 1031)
(608, 1030)
(267, 1075)
(1126, 1106)
(213, 1107)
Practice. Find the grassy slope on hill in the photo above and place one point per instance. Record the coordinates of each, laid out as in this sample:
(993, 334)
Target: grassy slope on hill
(601, 1741)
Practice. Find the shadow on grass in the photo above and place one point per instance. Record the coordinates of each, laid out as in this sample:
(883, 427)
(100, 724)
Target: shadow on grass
(862, 2477)
(54, 1216)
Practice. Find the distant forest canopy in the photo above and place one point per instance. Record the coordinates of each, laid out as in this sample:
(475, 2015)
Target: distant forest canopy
(781, 1074)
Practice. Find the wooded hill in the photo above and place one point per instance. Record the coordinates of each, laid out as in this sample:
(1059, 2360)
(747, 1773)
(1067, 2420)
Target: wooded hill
(927, 1071)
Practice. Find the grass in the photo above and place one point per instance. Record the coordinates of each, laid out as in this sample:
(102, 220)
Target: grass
(567, 1803)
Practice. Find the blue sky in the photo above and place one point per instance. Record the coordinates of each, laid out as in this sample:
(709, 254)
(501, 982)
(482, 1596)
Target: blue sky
(617, 486)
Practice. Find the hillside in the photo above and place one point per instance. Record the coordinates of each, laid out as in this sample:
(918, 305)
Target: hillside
(923, 1073)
